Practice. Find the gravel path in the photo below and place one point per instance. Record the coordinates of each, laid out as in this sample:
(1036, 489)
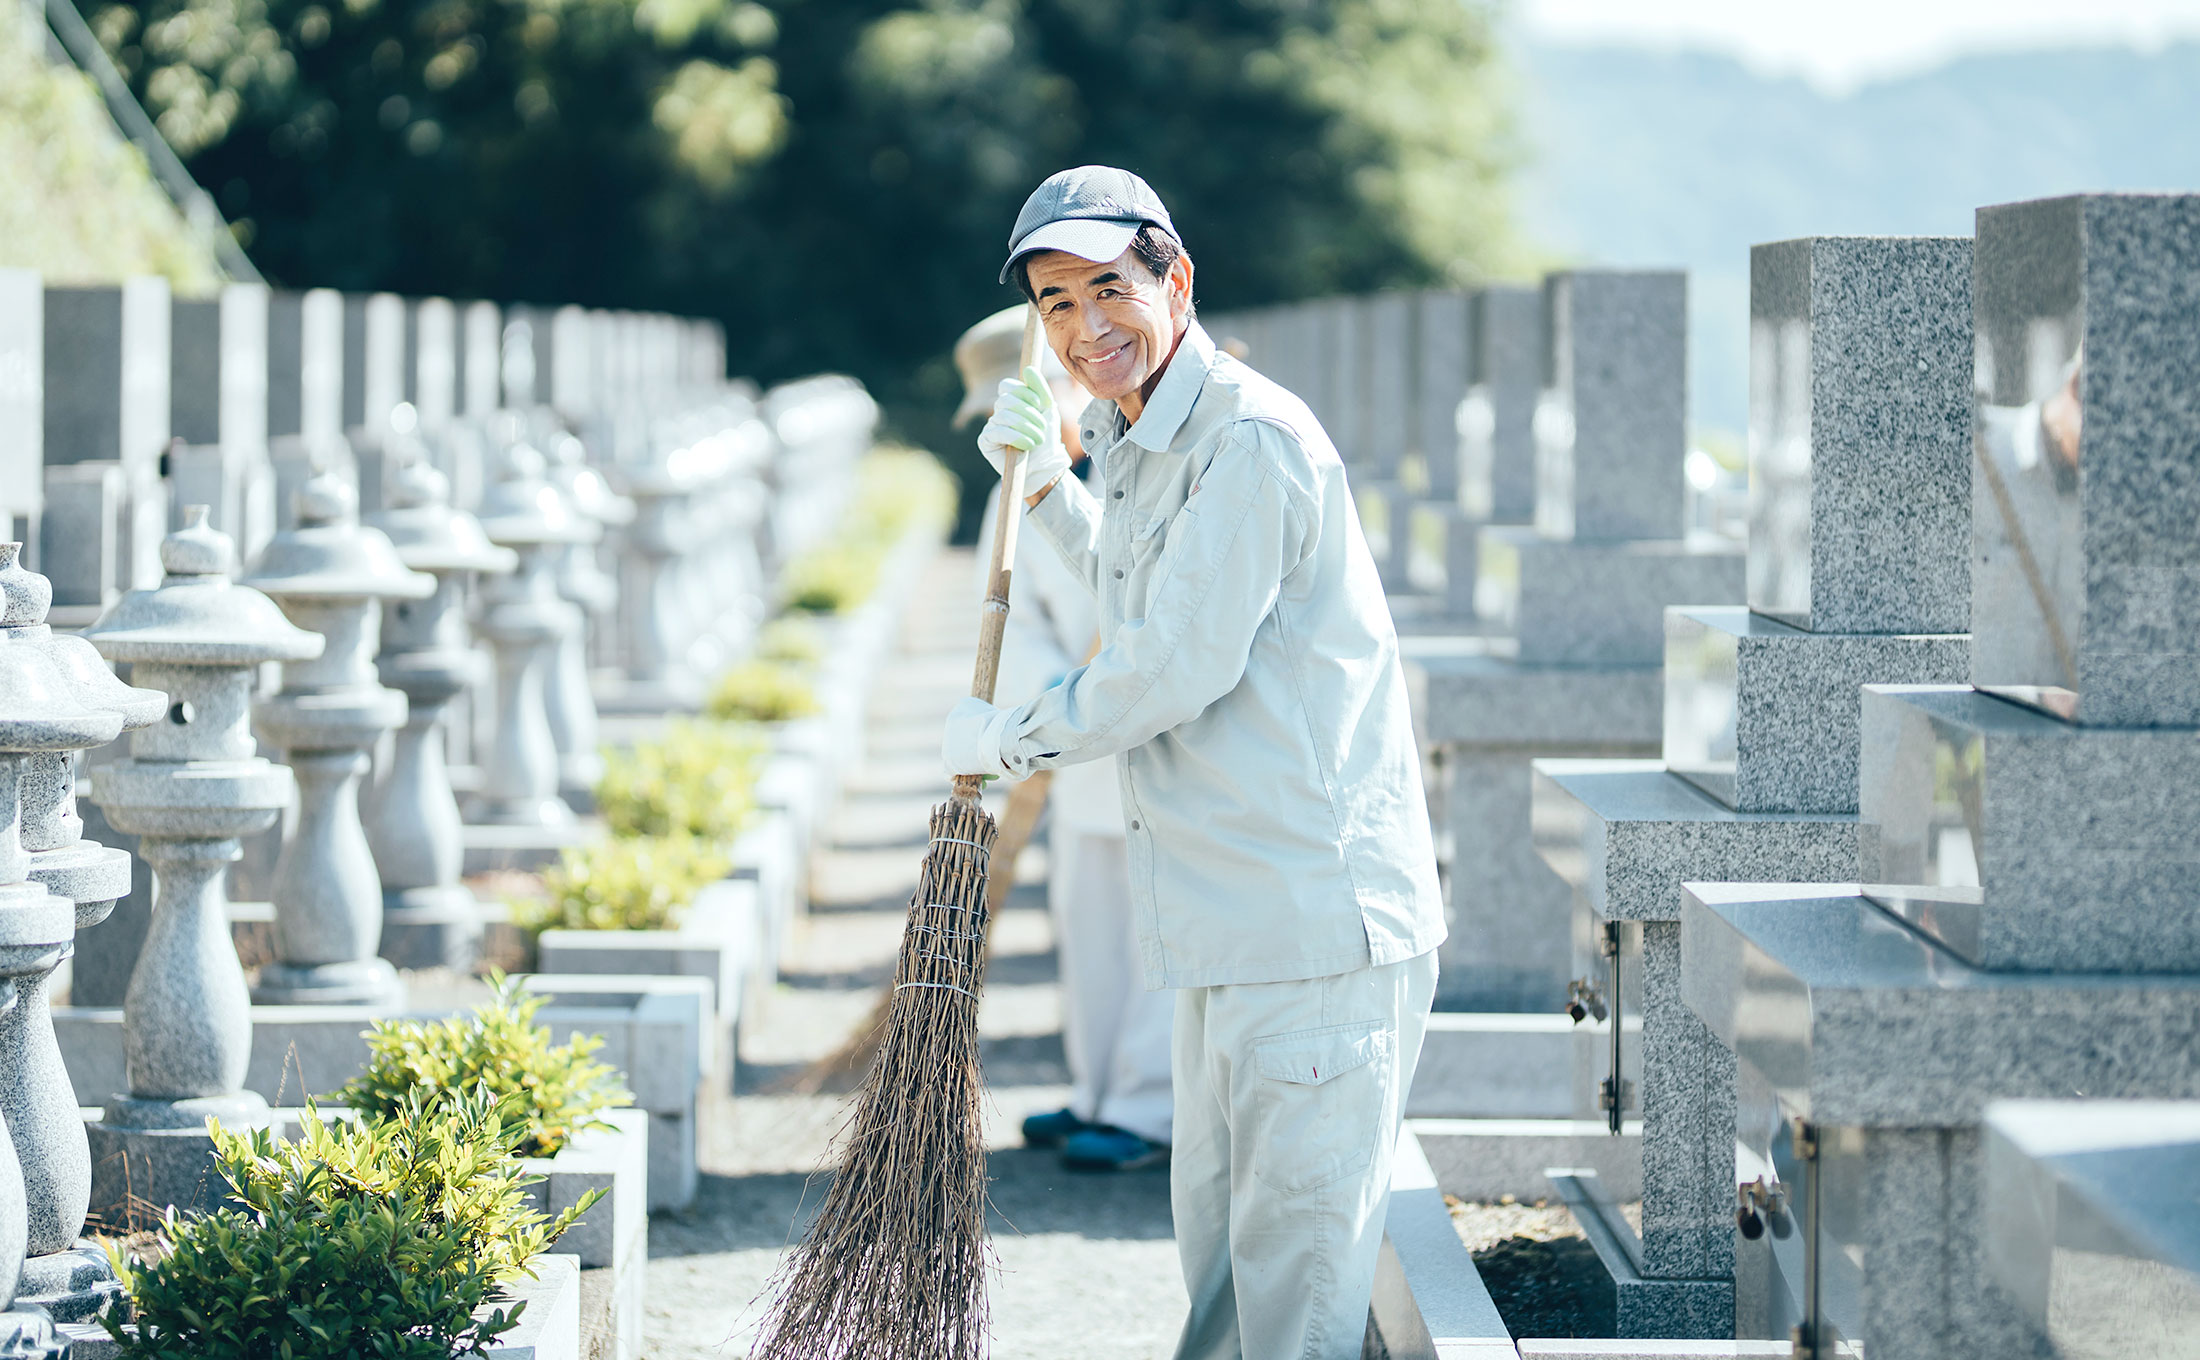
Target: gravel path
(1088, 1266)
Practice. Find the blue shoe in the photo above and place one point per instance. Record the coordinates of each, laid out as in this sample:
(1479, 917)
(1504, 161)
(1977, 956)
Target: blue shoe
(1103, 1147)
(1049, 1130)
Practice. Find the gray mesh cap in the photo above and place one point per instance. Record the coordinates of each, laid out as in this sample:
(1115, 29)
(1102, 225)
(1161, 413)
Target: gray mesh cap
(1092, 212)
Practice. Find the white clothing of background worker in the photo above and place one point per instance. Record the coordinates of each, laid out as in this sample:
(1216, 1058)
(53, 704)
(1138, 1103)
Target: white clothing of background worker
(1281, 866)
(1115, 1033)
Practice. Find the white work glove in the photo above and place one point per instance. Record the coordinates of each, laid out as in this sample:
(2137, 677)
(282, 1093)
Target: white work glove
(971, 743)
(1024, 418)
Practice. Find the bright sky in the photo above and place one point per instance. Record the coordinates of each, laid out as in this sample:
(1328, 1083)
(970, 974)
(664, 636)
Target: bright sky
(1838, 44)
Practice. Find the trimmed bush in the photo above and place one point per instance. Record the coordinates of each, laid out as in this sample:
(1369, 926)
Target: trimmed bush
(791, 639)
(699, 780)
(553, 1091)
(629, 883)
(762, 692)
(370, 1240)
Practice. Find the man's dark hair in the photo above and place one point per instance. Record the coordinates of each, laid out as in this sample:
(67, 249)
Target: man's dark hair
(1155, 249)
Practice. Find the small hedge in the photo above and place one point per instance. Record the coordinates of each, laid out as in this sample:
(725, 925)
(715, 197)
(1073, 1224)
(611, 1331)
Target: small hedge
(896, 488)
(625, 883)
(698, 780)
(552, 1091)
(375, 1239)
(762, 692)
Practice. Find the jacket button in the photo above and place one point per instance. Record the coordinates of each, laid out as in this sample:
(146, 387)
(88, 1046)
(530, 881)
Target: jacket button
(1134, 825)
(1119, 495)
(1118, 573)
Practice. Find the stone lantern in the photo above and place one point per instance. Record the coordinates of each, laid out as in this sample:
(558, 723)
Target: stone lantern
(331, 576)
(526, 620)
(191, 790)
(429, 918)
(39, 715)
(664, 534)
(584, 583)
(40, 1106)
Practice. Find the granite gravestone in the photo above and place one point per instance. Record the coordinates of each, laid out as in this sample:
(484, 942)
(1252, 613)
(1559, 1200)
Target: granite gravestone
(1860, 453)
(218, 395)
(2027, 926)
(106, 354)
(1581, 677)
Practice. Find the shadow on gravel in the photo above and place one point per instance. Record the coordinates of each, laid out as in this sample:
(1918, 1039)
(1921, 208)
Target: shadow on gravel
(737, 1213)
(1023, 1060)
(1031, 1194)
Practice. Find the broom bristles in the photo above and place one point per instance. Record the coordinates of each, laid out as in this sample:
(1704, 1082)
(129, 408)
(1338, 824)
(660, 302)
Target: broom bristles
(894, 1266)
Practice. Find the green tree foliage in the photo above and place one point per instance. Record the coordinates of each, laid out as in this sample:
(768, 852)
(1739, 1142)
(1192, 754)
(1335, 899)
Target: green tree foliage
(80, 206)
(836, 178)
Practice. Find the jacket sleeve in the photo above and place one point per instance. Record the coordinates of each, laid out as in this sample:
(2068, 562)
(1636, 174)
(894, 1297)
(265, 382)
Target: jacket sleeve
(1069, 518)
(1227, 553)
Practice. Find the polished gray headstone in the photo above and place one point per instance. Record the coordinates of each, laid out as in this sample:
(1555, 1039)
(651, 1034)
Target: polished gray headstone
(106, 400)
(2103, 1263)
(2085, 587)
(2021, 841)
(1766, 717)
(1443, 365)
(1497, 424)
(1611, 423)
(1860, 433)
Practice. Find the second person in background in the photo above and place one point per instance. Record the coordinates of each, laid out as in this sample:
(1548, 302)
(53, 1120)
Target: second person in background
(1115, 1033)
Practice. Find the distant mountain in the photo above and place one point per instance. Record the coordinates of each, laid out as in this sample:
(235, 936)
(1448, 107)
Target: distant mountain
(1651, 158)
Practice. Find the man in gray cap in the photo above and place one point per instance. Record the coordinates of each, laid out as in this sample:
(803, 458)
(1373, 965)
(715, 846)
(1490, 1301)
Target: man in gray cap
(1281, 868)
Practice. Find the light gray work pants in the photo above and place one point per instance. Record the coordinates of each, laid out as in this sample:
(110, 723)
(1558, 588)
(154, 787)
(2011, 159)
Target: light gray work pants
(1288, 1100)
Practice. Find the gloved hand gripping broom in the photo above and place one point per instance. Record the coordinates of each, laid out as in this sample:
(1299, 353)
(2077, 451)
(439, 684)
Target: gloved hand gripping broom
(894, 1266)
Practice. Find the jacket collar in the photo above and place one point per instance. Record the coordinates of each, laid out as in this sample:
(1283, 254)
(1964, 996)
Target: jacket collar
(1173, 396)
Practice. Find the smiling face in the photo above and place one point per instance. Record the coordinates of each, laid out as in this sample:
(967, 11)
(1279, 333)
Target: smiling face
(1114, 326)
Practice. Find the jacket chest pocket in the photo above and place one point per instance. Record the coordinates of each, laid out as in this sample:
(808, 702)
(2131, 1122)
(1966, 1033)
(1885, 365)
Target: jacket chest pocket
(1147, 543)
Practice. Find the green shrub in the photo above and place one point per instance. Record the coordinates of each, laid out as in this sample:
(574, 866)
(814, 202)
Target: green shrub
(895, 488)
(830, 580)
(371, 1240)
(626, 883)
(698, 780)
(553, 1091)
(792, 639)
(762, 691)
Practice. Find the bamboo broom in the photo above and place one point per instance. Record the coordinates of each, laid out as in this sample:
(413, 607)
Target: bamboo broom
(1018, 821)
(894, 1266)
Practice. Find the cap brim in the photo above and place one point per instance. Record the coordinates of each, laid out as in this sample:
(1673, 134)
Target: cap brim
(976, 402)
(1099, 240)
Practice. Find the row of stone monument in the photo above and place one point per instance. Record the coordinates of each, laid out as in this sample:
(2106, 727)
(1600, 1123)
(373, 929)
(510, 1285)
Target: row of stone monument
(366, 566)
(1865, 851)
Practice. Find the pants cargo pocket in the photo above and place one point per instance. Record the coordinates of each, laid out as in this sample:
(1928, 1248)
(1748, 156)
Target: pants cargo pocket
(1319, 1104)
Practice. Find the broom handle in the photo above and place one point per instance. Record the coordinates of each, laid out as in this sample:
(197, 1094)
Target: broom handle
(993, 624)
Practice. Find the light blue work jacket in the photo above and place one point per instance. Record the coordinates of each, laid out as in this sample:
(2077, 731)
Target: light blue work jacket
(1250, 687)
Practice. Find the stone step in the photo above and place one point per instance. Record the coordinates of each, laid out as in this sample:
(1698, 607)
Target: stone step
(1511, 1065)
(1487, 1159)
(1429, 1301)
(1642, 1307)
